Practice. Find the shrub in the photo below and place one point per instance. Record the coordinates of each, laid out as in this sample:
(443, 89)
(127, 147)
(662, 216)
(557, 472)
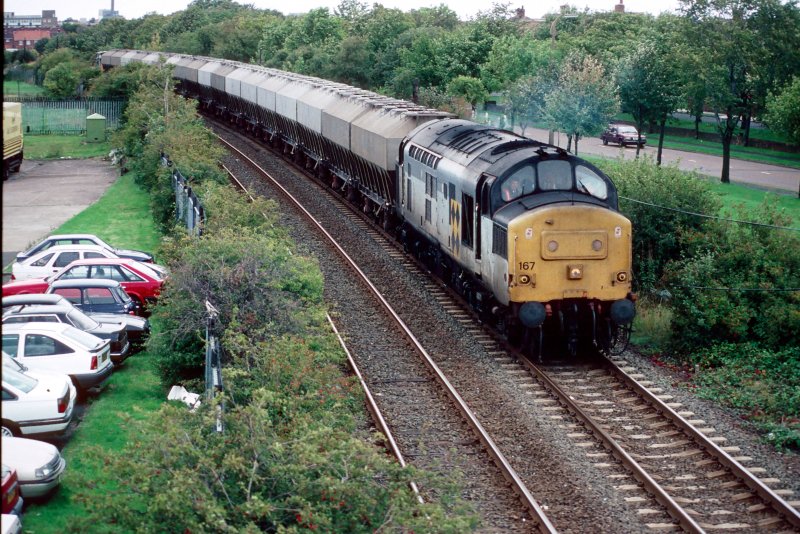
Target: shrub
(737, 287)
(760, 382)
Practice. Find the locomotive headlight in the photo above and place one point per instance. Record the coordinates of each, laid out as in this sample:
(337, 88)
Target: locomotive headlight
(524, 279)
(597, 245)
(552, 246)
(574, 272)
(622, 276)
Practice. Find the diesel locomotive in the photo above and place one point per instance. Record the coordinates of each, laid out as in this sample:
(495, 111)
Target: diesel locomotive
(527, 233)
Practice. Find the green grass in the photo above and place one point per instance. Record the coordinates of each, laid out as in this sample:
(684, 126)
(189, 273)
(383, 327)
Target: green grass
(21, 89)
(714, 148)
(134, 391)
(734, 195)
(63, 146)
(122, 217)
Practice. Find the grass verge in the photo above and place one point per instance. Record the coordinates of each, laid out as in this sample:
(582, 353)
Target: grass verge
(63, 146)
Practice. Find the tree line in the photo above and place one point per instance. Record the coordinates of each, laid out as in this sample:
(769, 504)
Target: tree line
(572, 71)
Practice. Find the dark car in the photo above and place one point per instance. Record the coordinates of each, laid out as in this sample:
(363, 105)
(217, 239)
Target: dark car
(95, 295)
(84, 239)
(623, 134)
(137, 328)
(69, 314)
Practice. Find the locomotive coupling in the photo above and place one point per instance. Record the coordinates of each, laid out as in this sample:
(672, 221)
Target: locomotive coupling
(623, 311)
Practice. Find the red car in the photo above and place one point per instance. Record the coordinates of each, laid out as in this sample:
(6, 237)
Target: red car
(142, 282)
(12, 501)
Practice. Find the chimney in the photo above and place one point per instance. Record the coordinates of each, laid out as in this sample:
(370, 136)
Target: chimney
(619, 8)
(112, 8)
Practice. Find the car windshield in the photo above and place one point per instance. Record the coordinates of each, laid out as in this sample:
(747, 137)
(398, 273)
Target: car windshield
(11, 363)
(18, 380)
(627, 129)
(124, 297)
(81, 320)
(85, 339)
(146, 270)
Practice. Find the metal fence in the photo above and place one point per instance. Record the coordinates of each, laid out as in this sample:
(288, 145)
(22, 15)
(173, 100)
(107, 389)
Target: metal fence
(43, 116)
(188, 207)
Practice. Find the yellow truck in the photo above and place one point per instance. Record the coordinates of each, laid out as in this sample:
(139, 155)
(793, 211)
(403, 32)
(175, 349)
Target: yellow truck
(12, 137)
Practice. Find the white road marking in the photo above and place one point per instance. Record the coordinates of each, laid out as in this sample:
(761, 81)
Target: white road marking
(765, 172)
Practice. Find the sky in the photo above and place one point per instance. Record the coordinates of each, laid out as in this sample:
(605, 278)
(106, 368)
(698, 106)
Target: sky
(132, 9)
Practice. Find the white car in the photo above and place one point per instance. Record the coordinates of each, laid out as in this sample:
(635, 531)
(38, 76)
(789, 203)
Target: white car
(83, 239)
(61, 348)
(39, 465)
(35, 403)
(11, 524)
(53, 259)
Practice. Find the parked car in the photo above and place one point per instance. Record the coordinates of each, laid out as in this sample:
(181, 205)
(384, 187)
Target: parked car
(141, 282)
(83, 239)
(53, 259)
(623, 134)
(93, 295)
(31, 406)
(137, 328)
(66, 313)
(39, 465)
(62, 348)
(12, 498)
(11, 523)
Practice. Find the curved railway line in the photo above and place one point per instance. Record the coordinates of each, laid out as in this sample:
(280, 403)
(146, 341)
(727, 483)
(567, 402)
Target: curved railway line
(662, 470)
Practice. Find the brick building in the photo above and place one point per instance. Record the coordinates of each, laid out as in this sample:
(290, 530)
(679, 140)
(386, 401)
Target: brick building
(23, 31)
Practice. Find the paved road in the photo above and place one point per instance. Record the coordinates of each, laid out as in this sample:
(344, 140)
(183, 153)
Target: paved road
(46, 194)
(773, 177)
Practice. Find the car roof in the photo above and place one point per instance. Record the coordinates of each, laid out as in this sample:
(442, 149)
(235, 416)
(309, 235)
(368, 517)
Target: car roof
(70, 236)
(104, 261)
(46, 327)
(84, 282)
(22, 309)
(72, 247)
(32, 298)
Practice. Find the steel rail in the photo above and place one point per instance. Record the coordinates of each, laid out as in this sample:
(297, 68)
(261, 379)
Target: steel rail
(537, 513)
(673, 508)
(789, 513)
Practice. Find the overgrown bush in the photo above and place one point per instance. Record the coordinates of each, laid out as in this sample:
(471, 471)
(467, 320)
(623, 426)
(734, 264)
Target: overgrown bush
(761, 383)
(737, 287)
(245, 266)
(157, 122)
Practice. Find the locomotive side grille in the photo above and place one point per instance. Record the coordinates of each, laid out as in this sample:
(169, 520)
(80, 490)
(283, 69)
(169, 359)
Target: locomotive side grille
(500, 241)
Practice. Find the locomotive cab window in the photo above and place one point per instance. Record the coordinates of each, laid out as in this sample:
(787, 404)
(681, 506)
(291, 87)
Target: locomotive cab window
(589, 182)
(555, 175)
(520, 183)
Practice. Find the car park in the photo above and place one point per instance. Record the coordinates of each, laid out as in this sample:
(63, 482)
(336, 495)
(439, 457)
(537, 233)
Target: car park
(141, 283)
(55, 258)
(12, 498)
(66, 313)
(137, 328)
(35, 406)
(623, 134)
(39, 465)
(84, 239)
(60, 348)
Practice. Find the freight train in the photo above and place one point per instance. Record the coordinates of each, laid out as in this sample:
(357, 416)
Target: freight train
(527, 233)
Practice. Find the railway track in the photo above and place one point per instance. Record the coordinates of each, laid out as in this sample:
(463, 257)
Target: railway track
(547, 399)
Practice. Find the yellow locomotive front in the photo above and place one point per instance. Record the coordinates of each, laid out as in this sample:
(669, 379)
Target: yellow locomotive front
(569, 256)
